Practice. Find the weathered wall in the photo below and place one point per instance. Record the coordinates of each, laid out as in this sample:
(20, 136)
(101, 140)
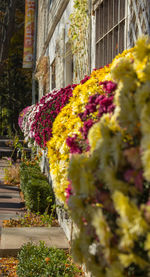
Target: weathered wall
(138, 20)
(53, 25)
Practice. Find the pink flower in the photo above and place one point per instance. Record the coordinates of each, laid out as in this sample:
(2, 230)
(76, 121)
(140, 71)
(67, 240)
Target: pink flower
(68, 192)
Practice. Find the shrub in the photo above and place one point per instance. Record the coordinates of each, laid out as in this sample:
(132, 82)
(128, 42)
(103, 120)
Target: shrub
(35, 187)
(36, 193)
(28, 169)
(41, 261)
(26, 175)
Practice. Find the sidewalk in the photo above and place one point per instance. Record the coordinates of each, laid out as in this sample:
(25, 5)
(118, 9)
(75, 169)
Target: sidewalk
(11, 239)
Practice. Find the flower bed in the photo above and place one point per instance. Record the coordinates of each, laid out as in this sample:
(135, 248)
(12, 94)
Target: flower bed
(70, 124)
(111, 186)
(32, 220)
(36, 121)
(26, 123)
(49, 107)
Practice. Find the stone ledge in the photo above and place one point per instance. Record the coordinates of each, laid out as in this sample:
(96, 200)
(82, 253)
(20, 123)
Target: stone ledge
(12, 239)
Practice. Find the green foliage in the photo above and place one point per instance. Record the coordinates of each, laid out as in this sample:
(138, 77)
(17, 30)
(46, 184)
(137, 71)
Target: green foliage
(15, 82)
(35, 188)
(78, 35)
(36, 193)
(41, 261)
(30, 171)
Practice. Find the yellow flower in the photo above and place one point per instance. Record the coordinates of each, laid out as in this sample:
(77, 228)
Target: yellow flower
(94, 135)
(115, 270)
(102, 228)
(147, 244)
(142, 48)
(68, 123)
(127, 259)
(131, 222)
(123, 69)
(142, 96)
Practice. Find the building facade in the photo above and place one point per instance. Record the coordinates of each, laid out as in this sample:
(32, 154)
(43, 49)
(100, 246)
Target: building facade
(114, 25)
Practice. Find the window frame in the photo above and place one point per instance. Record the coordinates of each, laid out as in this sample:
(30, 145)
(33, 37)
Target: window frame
(108, 25)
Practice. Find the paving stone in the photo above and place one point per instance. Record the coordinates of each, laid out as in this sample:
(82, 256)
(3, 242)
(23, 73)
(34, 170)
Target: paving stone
(13, 238)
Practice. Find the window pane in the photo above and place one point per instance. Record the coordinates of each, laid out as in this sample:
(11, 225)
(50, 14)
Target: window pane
(105, 16)
(99, 54)
(122, 9)
(115, 11)
(115, 46)
(101, 20)
(109, 47)
(121, 37)
(110, 13)
(105, 50)
(109, 30)
(98, 24)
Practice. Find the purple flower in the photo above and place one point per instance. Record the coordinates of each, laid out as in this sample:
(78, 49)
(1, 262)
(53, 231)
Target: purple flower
(49, 107)
(85, 129)
(73, 145)
(85, 79)
(134, 177)
(108, 86)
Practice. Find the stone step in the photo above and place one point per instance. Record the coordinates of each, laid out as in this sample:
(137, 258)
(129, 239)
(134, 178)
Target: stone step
(12, 239)
(7, 149)
(11, 205)
(6, 142)
(6, 195)
(8, 216)
(5, 152)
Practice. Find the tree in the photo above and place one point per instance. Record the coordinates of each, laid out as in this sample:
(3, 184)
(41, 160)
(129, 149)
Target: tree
(15, 82)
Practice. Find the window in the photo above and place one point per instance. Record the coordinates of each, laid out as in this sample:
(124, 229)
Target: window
(53, 74)
(68, 65)
(110, 30)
